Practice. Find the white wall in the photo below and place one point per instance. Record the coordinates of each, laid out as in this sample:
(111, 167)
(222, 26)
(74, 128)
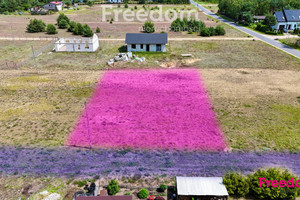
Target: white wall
(77, 44)
(286, 24)
(152, 47)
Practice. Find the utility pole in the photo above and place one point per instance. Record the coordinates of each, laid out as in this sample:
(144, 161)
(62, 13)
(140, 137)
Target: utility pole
(35, 63)
(88, 125)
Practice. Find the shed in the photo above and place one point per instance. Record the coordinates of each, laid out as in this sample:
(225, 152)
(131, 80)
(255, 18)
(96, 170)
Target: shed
(155, 42)
(201, 188)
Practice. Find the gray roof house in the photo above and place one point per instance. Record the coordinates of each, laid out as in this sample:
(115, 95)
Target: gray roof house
(154, 42)
(287, 19)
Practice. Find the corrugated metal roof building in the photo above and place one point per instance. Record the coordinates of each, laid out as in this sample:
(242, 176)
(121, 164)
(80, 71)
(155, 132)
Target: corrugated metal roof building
(201, 188)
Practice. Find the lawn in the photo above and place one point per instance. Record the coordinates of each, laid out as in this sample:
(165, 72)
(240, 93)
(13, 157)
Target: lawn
(240, 77)
(290, 42)
(149, 109)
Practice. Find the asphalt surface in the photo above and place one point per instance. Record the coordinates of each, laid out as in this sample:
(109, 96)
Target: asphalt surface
(263, 38)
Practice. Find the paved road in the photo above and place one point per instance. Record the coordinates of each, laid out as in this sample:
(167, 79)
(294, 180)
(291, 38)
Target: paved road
(265, 39)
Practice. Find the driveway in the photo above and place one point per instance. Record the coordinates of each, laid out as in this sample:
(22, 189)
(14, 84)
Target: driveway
(263, 38)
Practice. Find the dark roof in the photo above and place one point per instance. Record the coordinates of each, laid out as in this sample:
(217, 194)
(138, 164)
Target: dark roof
(288, 16)
(125, 197)
(146, 38)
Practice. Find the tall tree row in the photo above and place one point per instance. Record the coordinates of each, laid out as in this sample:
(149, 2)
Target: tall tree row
(237, 9)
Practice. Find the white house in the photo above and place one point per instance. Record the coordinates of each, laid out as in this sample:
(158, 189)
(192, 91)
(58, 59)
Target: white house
(77, 44)
(54, 6)
(201, 188)
(115, 1)
(154, 42)
(287, 20)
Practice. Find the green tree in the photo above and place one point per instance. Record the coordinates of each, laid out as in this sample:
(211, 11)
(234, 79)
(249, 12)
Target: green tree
(162, 187)
(68, 2)
(113, 187)
(78, 30)
(236, 184)
(36, 25)
(270, 20)
(205, 32)
(98, 30)
(62, 17)
(270, 192)
(87, 31)
(51, 29)
(126, 5)
(148, 27)
(90, 3)
(143, 193)
(63, 24)
(72, 25)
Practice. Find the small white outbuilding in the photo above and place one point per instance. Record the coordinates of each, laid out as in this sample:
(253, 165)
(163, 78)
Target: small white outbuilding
(201, 188)
(81, 44)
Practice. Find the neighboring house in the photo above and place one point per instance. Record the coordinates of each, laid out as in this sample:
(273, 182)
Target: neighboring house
(287, 19)
(115, 1)
(124, 197)
(258, 18)
(154, 42)
(54, 6)
(77, 44)
(201, 188)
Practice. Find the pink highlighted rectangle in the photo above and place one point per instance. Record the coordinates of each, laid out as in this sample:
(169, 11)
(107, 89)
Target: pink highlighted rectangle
(150, 109)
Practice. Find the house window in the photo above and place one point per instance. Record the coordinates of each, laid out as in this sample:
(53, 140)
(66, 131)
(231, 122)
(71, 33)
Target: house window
(158, 47)
(133, 46)
(87, 45)
(142, 46)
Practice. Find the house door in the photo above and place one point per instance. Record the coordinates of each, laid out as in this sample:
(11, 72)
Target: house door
(147, 47)
(289, 27)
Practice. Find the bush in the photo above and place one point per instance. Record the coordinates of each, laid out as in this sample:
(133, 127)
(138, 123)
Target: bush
(127, 193)
(190, 25)
(98, 30)
(78, 30)
(271, 33)
(63, 24)
(236, 184)
(113, 187)
(62, 17)
(297, 31)
(265, 192)
(220, 30)
(162, 188)
(143, 193)
(212, 31)
(80, 183)
(148, 27)
(126, 5)
(135, 7)
(87, 31)
(72, 25)
(51, 29)
(35, 26)
(205, 32)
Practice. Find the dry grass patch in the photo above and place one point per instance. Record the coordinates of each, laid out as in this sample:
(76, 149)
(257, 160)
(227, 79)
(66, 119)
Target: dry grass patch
(40, 110)
(257, 109)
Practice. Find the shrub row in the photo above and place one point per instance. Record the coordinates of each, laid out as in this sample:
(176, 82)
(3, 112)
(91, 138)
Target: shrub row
(240, 185)
(192, 26)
